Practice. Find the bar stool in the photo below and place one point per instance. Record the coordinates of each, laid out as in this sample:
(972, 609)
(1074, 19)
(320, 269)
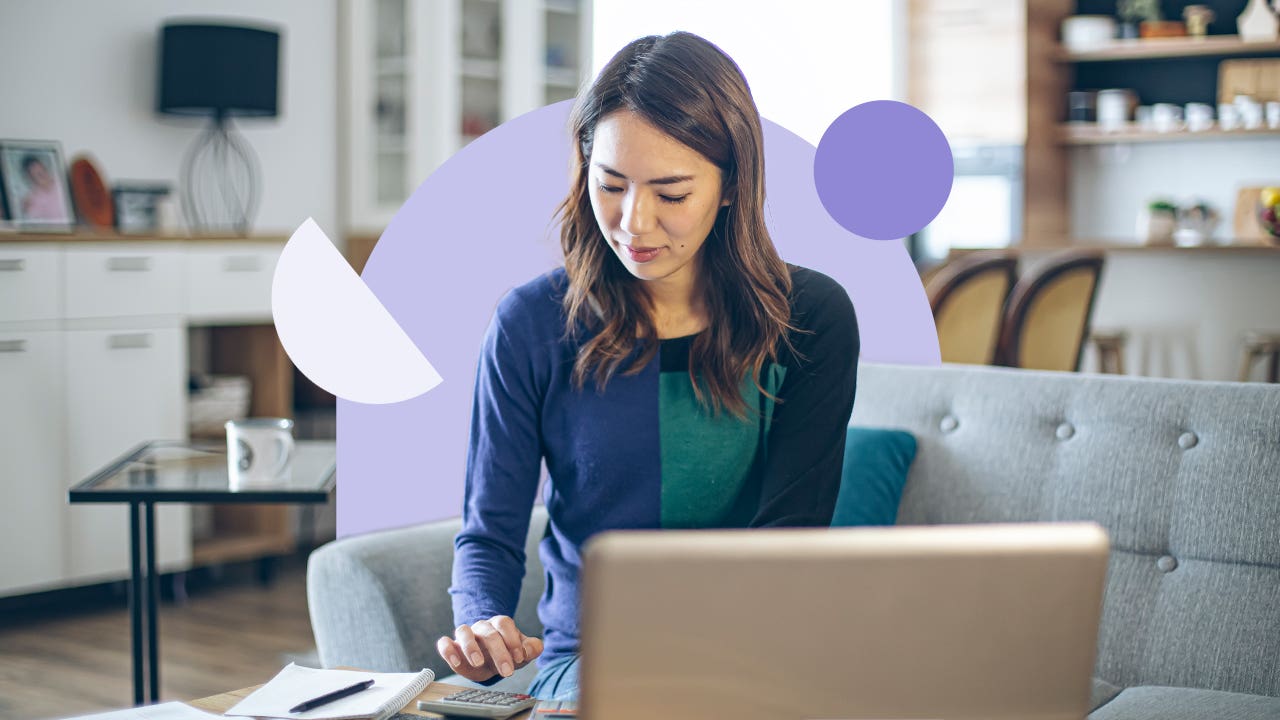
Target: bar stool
(1261, 345)
(1110, 346)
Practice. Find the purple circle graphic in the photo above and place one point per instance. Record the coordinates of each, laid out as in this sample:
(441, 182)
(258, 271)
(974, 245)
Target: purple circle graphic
(883, 170)
(481, 225)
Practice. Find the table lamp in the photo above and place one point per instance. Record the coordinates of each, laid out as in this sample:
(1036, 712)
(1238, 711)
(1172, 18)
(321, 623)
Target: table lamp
(219, 71)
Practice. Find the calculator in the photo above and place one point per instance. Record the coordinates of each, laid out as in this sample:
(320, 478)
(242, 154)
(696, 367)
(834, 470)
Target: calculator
(479, 704)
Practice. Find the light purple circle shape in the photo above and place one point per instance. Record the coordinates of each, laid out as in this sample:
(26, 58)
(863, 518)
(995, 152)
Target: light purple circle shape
(883, 170)
(482, 224)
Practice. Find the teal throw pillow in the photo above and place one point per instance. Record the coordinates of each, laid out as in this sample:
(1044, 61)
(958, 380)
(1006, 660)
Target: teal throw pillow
(876, 463)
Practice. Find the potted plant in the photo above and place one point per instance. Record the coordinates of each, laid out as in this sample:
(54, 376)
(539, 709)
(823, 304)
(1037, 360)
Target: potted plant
(1151, 24)
(1157, 222)
(1196, 223)
(1131, 13)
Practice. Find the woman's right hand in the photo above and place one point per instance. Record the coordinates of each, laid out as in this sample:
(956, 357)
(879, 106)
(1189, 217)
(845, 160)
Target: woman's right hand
(486, 648)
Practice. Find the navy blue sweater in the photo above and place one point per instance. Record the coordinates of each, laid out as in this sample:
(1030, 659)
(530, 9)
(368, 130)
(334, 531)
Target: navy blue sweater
(642, 454)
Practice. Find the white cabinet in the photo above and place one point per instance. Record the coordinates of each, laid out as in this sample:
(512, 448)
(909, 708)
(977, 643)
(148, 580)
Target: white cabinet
(422, 78)
(32, 464)
(93, 362)
(123, 387)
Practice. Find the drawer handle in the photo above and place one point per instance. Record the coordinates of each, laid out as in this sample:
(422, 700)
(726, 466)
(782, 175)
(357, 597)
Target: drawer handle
(14, 346)
(242, 263)
(131, 340)
(129, 264)
(12, 265)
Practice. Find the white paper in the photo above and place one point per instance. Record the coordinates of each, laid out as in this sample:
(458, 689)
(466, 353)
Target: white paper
(164, 711)
(295, 684)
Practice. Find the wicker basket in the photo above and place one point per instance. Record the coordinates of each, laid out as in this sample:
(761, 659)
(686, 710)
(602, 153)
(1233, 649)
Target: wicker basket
(217, 399)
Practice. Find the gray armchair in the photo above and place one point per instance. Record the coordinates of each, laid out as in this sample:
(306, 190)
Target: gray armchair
(380, 601)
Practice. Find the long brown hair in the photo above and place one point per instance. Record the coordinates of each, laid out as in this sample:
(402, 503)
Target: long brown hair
(691, 90)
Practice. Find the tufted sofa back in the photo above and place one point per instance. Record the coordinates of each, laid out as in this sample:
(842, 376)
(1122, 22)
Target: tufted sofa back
(1184, 475)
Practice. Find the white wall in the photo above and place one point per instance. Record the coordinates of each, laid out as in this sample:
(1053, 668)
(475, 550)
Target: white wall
(83, 72)
(1186, 313)
(807, 62)
(1110, 183)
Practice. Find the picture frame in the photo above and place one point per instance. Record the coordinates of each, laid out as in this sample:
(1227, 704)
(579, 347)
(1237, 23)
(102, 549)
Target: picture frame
(137, 206)
(33, 186)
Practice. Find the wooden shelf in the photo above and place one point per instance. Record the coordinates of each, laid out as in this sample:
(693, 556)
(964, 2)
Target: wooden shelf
(1165, 48)
(1234, 247)
(233, 548)
(1091, 134)
(88, 235)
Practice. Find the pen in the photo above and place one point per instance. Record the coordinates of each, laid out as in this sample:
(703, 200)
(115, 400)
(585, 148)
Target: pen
(330, 697)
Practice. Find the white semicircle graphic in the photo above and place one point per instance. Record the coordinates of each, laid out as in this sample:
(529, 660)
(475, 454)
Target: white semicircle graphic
(336, 331)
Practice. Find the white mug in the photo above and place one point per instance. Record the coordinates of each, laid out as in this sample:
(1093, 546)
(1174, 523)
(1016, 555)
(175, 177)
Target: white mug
(259, 451)
(1166, 117)
(1228, 116)
(1113, 109)
(1142, 118)
(1199, 116)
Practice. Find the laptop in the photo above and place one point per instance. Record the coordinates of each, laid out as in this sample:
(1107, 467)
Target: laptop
(949, 622)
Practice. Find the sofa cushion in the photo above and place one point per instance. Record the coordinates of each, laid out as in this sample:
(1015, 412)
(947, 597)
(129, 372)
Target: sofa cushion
(1102, 693)
(876, 463)
(1169, 703)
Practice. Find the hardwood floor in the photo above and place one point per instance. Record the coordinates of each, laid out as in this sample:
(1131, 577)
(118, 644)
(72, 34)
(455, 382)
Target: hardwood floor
(228, 634)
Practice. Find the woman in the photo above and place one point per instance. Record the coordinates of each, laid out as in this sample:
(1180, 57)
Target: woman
(676, 373)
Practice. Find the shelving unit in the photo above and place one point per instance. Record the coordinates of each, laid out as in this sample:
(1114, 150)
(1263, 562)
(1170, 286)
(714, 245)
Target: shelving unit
(1227, 247)
(423, 78)
(1173, 70)
(1090, 134)
(1167, 48)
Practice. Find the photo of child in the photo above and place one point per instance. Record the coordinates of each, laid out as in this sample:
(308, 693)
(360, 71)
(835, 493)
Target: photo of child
(35, 185)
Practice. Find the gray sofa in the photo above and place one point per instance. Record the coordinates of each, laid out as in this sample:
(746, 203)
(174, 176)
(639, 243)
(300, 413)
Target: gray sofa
(1184, 475)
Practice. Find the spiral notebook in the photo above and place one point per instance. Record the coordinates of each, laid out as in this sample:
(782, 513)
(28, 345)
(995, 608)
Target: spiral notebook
(295, 684)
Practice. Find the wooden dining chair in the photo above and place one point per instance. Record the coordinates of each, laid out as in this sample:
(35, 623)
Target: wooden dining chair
(968, 301)
(1047, 319)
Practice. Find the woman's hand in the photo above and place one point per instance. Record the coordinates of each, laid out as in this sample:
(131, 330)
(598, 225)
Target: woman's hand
(495, 646)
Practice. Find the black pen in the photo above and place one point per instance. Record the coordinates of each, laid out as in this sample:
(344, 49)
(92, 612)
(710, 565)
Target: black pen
(335, 695)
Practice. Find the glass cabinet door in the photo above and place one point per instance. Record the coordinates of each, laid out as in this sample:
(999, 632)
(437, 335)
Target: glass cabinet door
(480, 40)
(423, 78)
(564, 57)
(391, 161)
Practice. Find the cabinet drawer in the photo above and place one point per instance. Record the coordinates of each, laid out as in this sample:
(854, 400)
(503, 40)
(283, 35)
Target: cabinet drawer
(29, 282)
(124, 280)
(231, 281)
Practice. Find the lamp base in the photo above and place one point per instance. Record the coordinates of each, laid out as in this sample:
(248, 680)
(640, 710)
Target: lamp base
(220, 180)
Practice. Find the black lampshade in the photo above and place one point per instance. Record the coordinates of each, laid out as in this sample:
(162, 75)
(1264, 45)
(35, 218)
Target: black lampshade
(208, 69)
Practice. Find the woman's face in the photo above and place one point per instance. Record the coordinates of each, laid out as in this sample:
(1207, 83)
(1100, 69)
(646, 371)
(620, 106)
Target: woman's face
(654, 198)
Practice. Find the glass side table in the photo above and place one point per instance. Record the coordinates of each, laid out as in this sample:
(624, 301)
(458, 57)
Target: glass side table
(180, 472)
